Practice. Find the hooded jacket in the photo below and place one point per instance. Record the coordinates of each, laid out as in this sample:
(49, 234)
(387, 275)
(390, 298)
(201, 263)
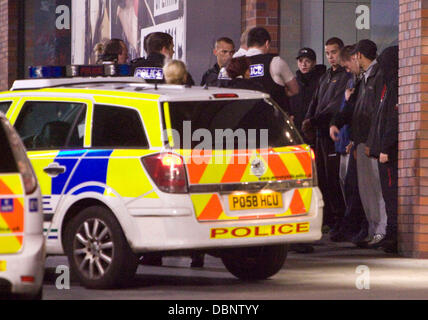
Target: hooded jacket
(383, 137)
(308, 82)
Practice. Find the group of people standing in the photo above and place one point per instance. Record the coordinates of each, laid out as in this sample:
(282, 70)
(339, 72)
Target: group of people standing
(348, 113)
(352, 121)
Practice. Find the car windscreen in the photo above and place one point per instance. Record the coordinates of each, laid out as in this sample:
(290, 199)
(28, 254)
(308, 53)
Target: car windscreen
(7, 160)
(228, 124)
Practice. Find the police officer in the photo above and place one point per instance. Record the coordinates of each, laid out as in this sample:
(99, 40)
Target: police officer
(270, 70)
(160, 49)
(223, 50)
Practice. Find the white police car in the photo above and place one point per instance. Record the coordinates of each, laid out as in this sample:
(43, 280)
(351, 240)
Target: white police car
(128, 168)
(22, 249)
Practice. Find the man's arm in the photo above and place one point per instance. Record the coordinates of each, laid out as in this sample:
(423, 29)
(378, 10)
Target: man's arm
(282, 75)
(291, 87)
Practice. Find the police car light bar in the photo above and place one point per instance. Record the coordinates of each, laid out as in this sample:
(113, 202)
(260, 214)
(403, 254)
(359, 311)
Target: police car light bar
(225, 95)
(71, 71)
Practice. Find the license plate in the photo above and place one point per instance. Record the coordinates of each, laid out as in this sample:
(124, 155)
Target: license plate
(255, 201)
(2, 266)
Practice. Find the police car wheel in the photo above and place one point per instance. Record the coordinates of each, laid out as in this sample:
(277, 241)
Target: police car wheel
(255, 263)
(97, 250)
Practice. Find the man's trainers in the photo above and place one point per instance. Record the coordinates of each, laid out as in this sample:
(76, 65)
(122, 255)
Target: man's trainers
(377, 241)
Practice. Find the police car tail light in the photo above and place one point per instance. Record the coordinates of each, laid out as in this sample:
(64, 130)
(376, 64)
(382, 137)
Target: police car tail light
(167, 171)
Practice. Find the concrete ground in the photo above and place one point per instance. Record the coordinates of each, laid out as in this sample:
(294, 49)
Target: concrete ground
(335, 271)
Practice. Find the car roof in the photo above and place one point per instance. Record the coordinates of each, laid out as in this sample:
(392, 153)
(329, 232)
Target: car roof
(133, 86)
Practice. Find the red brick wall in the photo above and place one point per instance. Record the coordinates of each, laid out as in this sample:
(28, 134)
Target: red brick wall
(263, 13)
(413, 128)
(8, 43)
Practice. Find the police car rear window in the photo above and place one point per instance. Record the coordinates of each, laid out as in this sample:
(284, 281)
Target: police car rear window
(229, 124)
(7, 160)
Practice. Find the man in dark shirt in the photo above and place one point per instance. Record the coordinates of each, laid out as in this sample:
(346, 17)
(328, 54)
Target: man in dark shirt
(307, 76)
(223, 50)
(325, 104)
(160, 49)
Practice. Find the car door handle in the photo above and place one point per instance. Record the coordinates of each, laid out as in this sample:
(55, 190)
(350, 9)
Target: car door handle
(54, 169)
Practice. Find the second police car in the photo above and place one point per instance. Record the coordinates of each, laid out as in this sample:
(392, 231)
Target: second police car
(127, 168)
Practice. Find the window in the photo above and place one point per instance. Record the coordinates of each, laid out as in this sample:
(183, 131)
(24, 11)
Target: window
(116, 127)
(51, 125)
(230, 124)
(7, 160)
(4, 106)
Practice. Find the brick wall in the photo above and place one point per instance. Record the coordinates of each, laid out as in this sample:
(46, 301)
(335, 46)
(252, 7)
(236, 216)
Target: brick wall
(262, 13)
(413, 128)
(8, 43)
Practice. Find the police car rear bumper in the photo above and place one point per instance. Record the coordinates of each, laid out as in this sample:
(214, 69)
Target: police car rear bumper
(20, 267)
(179, 232)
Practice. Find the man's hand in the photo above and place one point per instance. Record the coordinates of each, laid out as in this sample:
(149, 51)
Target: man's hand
(308, 130)
(383, 158)
(349, 147)
(349, 93)
(367, 151)
(334, 133)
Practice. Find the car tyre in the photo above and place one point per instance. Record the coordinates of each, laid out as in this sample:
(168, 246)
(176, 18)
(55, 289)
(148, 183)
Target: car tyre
(255, 263)
(97, 250)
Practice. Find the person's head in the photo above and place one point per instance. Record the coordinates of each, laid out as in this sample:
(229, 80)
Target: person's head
(332, 51)
(365, 52)
(259, 38)
(98, 52)
(388, 62)
(348, 60)
(224, 50)
(306, 60)
(115, 50)
(239, 67)
(160, 42)
(175, 72)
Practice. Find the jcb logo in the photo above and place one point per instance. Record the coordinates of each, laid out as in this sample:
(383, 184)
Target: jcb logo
(257, 70)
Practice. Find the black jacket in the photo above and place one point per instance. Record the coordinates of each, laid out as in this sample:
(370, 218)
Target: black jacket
(210, 77)
(327, 99)
(383, 137)
(308, 82)
(155, 60)
(361, 117)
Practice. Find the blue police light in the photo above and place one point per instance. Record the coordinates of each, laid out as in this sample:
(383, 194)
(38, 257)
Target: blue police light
(45, 72)
(71, 71)
(149, 73)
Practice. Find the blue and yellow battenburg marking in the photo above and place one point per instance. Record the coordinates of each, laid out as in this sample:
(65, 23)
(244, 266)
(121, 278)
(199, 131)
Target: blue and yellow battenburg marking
(106, 172)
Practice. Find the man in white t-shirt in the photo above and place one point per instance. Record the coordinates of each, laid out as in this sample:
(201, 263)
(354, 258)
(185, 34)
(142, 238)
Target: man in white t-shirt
(270, 70)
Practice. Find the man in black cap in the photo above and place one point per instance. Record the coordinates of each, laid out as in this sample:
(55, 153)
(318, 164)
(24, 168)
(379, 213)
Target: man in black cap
(361, 119)
(307, 76)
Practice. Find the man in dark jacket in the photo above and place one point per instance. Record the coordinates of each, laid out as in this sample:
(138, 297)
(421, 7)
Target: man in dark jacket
(383, 143)
(160, 49)
(361, 119)
(325, 104)
(223, 50)
(307, 77)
